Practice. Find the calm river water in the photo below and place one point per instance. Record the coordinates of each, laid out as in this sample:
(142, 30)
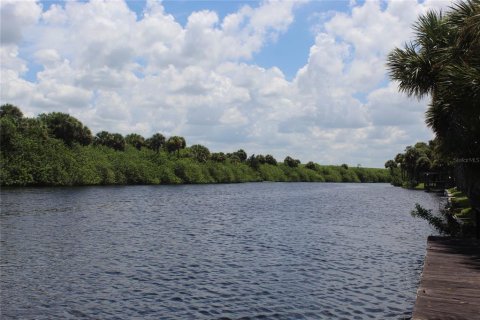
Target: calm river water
(249, 251)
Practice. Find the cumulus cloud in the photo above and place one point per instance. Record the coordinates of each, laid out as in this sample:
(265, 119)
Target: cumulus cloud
(16, 16)
(386, 107)
(121, 72)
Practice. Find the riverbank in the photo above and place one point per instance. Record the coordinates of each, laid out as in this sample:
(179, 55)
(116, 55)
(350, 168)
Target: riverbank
(56, 149)
(55, 164)
(460, 204)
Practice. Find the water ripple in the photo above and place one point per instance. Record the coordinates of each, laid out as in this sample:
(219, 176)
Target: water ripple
(244, 251)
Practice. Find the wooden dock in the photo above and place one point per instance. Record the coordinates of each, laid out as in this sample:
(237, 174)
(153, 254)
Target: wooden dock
(450, 284)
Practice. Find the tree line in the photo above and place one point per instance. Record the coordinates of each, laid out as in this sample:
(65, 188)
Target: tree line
(56, 149)
(408, 169)
(443, 62)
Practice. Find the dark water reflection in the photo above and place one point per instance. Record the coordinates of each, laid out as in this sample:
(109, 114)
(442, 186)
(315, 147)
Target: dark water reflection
(253, 251)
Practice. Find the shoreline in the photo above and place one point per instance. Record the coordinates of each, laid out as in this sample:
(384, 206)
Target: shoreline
(182, 184)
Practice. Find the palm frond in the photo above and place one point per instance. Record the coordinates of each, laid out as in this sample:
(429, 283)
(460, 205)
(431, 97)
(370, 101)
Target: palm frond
(444, 60)
(463, 10)
(432, 32)
(460, 82)
(438, 117)
(412, 70)
(465, 18)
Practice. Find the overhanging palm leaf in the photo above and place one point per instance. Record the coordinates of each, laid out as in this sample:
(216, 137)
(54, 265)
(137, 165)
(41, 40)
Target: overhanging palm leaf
(444, 61)
(413, 70)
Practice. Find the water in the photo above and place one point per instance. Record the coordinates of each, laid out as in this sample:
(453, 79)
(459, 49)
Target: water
(249, 251)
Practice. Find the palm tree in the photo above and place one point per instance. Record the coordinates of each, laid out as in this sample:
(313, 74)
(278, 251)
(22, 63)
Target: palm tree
(391, 165)
(135, 140)
(175, 143)
(400, 161)
(155, 142)
(11, 111)
(199, 153)
(67, 128)
(443, 61)
(112, 140)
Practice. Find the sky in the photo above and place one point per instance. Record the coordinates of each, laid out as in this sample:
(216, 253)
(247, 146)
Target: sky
(306, 79)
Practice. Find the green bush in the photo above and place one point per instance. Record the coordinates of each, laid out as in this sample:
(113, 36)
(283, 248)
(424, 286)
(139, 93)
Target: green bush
(32, 153)
(190, 172)
(269, 172)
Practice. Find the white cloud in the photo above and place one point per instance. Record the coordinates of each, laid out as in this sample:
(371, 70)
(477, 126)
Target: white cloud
(16, 16)
(387, 107)
(47, 57)
(10, 61)
(234, 117)
(123, 73)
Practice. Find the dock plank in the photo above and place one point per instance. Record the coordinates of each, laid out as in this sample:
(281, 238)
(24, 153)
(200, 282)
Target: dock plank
(450, 283)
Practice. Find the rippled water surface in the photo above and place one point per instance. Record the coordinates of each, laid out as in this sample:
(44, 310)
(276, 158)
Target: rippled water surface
(250, 251)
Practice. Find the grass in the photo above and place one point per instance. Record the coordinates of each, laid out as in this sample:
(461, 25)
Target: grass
(466, 213)
(407, 185)
(452, 190)
(461, 205)
(460, 202)
(420, 186)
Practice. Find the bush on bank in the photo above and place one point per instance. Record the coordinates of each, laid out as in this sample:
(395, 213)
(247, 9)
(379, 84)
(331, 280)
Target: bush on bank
(58, 150)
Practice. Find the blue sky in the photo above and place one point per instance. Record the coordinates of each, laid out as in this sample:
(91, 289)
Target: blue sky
(306, 79)
(289, 52)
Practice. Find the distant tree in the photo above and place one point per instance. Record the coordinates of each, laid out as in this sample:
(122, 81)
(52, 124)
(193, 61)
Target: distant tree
(111, 140)
(175, 143)
(390, 164)
(424, 149)
(417, 160)
(310, 165)
(10, 118)
(118, 142)
(218, 157)
(155, 142)
(344, 166)
(102, 138)
(199, 153)
(241, 154)
(253, 162)
(400, 160)
(11, 111)
(135, 140)
(423, 165)
(410, 160)
(292, 163)
(8, 132)
(67, 128)
(233, 157)
(33, 127)
(261, 159)
(270, 160)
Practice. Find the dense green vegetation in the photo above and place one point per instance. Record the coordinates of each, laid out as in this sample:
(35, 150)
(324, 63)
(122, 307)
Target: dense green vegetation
(408, 169)
(461, 206)
(56, 149)
(456, 219)
(443, 61)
